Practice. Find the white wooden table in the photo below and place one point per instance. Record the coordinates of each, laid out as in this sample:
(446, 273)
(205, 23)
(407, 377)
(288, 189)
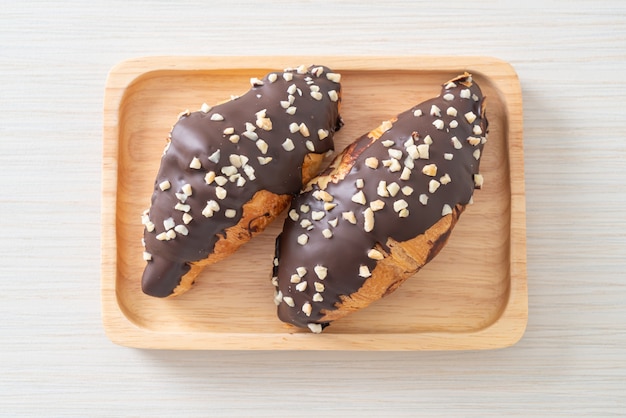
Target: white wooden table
(54, 357)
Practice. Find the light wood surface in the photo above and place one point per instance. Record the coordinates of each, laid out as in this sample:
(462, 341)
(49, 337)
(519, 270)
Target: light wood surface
(56, 358)
(474, 296)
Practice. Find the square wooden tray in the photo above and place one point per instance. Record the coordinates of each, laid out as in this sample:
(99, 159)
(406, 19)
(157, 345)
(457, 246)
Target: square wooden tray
(472, 296)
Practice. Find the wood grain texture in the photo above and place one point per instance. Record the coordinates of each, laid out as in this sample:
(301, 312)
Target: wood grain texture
(56, 360)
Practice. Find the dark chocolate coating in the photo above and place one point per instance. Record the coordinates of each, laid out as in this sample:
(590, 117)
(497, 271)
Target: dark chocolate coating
(200, 134)
(346, 250)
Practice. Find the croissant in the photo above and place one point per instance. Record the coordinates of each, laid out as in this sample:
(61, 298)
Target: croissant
(382, 210)
(227, 171)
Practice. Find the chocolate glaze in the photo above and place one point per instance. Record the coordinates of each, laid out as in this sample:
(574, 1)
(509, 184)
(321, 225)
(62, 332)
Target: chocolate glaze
(344, 252)
(200, 134)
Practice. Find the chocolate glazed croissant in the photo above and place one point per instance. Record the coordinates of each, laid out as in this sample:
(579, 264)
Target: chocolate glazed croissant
(228, 171)
(382, 210)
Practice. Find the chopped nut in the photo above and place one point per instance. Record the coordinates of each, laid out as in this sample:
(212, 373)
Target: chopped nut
(456, 143)
(220, 192)
(317, 298)
(305, 208)
(315, 328)
(473, 140)
(221, 180)
(476, 154)
(349, 216)
(435, 111)
(295, 278)
(477, 130)
(446, 210)
(334, 77)
(438, 123)
(400, 204)
(333, 96)
(428, 140)
(465, 94)
(381, 190)
(364, 271)
(374, 254)
(445, 179)
(423, 199)
(262, 146)
(407, 190)
(301, 287)
(403, 213)
(377, 205)
(217, 117)
(205, 108)
(147, 256)
(230, 213)
(417, 112)
(195, 163)
(251, 135)
(317, 215)
(433, 185)
(451, 112)
(293, 214)
(322, 133)
(327, 233)
(181, 229)
(211, 207)
(450, 85)
(278, 297)
(164, 185)
(307, 308)
(272, 77)
(255, 82)
(359, 197)
(369, 220)
(229, 170)
(171, 234)
(288, 145)
(169, 224)
(215, 157)
(448, 156)
(234, 139)
(470, 117)
(395, 166)
(291, 110)
(395, 153)
(187, 189)
(406, 174)
(454, 124)
(430, 170)
(449, 97)
(162, 236)
(264, 160)
(359, 183)
(478, 181)
(329, 206)
(288, 76)
(289, 301)
(182, 208)
(303, 239)
(333, 222)
(423, 151)
(320, 271)
(264, 123)
(301, 271)
(304, 130)
(316, 95)
(393, 189)
(371, 162)
(187, 218)
(388, 143)
(386, 125)
(249, 170)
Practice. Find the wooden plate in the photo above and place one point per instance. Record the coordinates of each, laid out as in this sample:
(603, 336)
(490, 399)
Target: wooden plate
(472, 296)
